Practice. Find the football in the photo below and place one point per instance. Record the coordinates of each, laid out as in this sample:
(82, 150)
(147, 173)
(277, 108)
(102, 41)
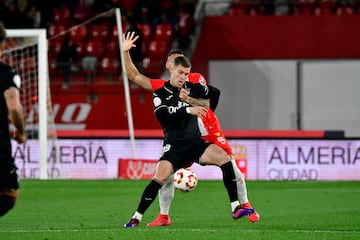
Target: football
(185, 180)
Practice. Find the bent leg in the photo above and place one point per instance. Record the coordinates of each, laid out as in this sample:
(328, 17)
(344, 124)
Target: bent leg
(242, 193)
(214, 155)
(163, 170)
(166, 195)
(241, 184)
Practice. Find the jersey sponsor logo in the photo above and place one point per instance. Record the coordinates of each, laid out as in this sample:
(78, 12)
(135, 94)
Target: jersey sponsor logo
(202, 80)
(69, 117)
(174, 109)
(156, 101)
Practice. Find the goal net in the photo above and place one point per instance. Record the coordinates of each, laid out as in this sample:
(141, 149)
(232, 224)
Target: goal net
(26, 51)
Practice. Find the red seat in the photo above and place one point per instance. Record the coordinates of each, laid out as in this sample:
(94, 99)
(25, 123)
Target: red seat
(112, 49)
(325, 8)
(80, 49)
(79, 33)
(146, 31)
(114, 33)
(144, 48)
(99, 32)
(54, 47)
(153, 66)
(82, 11)
(304, 8)
(128, 6)
(186, 23)
(237, 11)
(61, 15)
(55, 32)
(52, 65)
(94, 48)
(110, 65)
(158, 48)
(164, 31)
(345, 10)
(256, 10)
(243, 5)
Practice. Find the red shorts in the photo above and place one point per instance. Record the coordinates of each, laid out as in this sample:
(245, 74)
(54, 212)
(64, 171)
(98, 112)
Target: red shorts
(220, 140)
(211, 131)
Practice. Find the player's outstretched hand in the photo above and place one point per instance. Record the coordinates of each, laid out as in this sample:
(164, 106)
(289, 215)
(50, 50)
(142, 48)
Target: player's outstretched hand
(129, 40)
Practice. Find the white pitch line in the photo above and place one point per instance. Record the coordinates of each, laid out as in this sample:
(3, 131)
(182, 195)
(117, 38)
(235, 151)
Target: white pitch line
(177, 230)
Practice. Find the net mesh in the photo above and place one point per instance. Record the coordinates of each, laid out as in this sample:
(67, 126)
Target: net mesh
(22, 54)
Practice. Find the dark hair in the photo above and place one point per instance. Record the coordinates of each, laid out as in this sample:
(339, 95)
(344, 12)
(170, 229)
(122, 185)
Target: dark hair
(2, 32)
(175, 51)
(183, 61)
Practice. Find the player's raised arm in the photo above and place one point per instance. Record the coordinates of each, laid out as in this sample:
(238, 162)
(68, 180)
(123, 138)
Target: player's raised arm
(132, 72)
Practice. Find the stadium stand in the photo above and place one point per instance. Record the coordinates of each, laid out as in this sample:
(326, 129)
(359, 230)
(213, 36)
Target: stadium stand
(100, 37)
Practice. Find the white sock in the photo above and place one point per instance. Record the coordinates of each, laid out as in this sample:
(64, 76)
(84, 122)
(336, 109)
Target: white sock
(240, 183)
(234, 205)
(137, 215)
(166, 195)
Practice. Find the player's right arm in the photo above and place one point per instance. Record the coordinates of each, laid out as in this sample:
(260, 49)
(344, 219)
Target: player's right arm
(12, 98)
(184, 96)
(132, 72)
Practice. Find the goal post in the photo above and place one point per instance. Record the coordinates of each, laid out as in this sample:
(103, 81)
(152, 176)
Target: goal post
(26, 50)
(36, 37)
(126, 84)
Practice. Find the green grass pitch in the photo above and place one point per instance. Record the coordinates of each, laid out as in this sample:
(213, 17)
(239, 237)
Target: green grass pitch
(84, 209)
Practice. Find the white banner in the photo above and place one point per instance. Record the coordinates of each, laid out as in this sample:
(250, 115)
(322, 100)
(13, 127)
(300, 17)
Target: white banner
(258, 159)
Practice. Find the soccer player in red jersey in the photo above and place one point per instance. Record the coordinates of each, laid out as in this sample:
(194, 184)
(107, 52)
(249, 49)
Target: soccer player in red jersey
(209, 127)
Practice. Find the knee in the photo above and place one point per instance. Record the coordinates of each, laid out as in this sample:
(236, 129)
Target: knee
(214, 155)
(160, 179)
(223, 158)
(6, 204)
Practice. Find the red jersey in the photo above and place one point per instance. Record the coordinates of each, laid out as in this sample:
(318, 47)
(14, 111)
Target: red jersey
(192, 77)
(209, 125)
